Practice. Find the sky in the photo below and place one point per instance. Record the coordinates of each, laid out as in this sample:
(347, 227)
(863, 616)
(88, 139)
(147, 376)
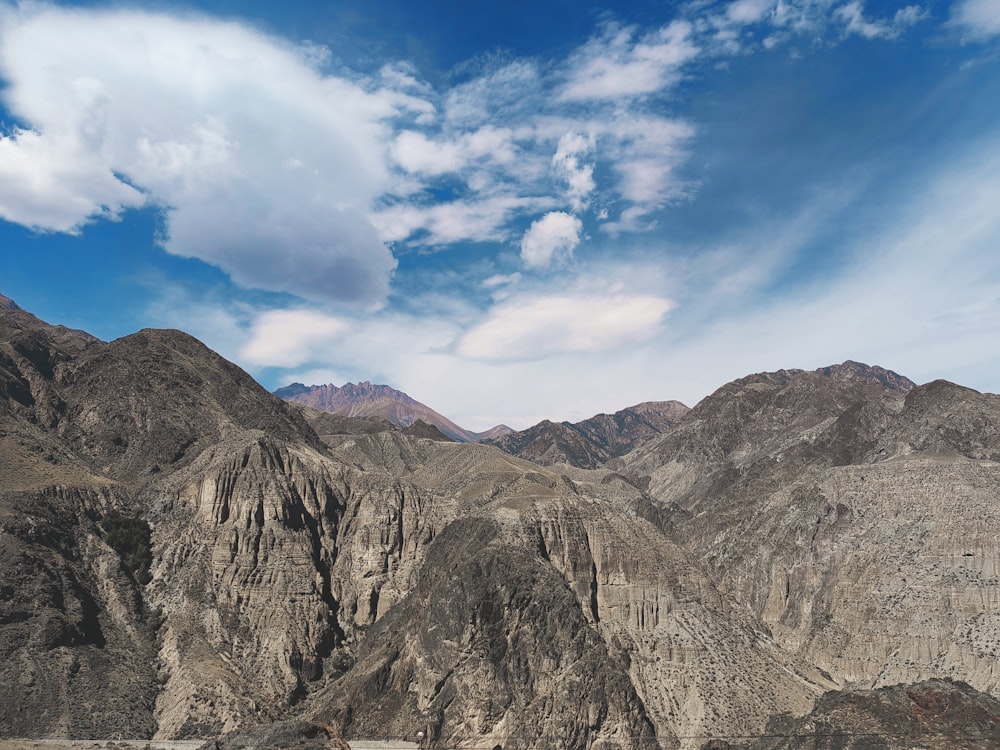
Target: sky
(515, 211)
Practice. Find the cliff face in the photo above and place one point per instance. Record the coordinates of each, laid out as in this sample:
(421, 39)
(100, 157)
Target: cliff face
(630, 594)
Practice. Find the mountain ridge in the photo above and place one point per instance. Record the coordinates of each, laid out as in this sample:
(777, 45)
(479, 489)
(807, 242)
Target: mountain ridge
(594, 441)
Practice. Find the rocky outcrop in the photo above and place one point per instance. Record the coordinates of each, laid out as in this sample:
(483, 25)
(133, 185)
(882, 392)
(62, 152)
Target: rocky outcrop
(489, 645)
(77, 653)
(655, 613)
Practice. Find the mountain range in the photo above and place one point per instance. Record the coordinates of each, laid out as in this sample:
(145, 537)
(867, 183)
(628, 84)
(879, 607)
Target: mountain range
(587, 444)
(804, 558)
(592, 442)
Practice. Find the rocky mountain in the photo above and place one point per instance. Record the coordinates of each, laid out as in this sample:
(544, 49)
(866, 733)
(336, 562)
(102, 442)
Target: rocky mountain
(183, 555)
(327, 424)
(379, 402)
(843, 508)
(592, 442)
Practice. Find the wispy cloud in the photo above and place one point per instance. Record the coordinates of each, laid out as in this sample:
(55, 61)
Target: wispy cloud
(616, 65)
(853, 17)
(980, 19)
(536, 327)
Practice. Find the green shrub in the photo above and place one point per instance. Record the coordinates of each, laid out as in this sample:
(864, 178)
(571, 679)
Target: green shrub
(130, 537)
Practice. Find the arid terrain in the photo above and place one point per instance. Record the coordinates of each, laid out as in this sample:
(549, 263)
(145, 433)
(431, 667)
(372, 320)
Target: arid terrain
(183, 555)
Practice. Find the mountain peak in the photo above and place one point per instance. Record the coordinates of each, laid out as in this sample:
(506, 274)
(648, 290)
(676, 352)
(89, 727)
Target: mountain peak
(850, 370)
(367, 399)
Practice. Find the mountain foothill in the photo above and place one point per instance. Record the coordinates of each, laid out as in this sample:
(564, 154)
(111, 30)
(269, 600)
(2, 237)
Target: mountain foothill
(805, 558)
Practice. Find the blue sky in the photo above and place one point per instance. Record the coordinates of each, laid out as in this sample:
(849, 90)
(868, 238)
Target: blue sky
(534, 210)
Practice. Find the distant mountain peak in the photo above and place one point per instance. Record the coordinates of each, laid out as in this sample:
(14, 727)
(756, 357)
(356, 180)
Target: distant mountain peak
(592, 442)
(367, 399)
(7, 303)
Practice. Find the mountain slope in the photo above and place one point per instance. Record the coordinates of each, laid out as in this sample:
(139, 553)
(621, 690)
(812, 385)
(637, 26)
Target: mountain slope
(842, 507)
(592, 442)
(377, 402)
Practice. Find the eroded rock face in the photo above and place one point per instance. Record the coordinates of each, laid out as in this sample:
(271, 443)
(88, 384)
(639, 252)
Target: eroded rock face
(490, 645)
(77, 657)
(654, 611)
(854, 517)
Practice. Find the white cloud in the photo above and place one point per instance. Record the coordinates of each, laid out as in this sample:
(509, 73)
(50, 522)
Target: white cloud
(50, 182)
(570, 165)
(415, 152)
(290, 338)
(263, 166)
(852, 15)
(551, 238)
(446, 223)
(537, 327)
(501, 280)
(748, 11)
(616, 66)
(979, 18)
(511, 89)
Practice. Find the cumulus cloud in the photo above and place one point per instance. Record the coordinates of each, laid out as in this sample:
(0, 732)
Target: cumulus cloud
(262, 165)
(537, 327)
(550, 239)
(979, 18)
(748, 11)
(290, 338)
